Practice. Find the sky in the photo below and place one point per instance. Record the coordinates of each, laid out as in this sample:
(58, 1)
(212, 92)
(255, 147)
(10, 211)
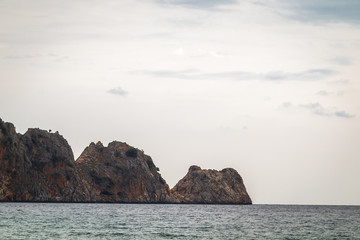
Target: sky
(270, 88)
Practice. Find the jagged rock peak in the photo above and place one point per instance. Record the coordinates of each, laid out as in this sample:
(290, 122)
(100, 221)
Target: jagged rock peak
(37, 166)
(121, 173)
(194, 168)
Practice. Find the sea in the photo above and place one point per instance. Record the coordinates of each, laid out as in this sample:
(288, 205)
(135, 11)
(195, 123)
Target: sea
(177, 221)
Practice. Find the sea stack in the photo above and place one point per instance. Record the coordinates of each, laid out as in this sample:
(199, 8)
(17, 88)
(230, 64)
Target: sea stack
(211, 187)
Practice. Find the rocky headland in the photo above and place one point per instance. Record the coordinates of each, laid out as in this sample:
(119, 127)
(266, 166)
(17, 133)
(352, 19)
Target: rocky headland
(39, 166)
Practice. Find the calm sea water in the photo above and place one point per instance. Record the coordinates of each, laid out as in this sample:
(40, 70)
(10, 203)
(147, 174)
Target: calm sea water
(151, 221)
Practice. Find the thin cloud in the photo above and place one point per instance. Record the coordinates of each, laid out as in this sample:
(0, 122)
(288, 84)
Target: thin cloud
(286, 105)
(61, 59)
(118, 91)
(339, 82)
(308, 75)
(318, 109)
(324, 11)
(340, 93)
(54, 57)
(344, 114)
(326, 93)
(202, 4)
(323, 93)
(345, 61)
(24, 56)
(194, 74)
(311, 74)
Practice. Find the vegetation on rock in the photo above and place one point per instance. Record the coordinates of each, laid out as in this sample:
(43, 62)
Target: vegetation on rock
(132, 152)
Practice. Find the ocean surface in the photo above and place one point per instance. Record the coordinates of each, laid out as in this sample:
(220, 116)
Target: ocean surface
(161, 221)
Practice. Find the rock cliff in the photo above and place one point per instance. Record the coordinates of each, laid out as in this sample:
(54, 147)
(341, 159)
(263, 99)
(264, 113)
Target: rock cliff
(121, 173)
(211, 186)
(37, 166)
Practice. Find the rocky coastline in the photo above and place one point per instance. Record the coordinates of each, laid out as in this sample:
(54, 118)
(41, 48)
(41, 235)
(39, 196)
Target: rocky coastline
(39, 166)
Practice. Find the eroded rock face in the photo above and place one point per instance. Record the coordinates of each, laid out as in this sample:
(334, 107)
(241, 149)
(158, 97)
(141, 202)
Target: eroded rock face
(38, 166)
(211, 186)
(121, 173)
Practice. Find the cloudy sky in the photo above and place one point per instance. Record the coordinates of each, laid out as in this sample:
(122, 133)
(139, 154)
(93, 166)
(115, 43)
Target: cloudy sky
(268, 87)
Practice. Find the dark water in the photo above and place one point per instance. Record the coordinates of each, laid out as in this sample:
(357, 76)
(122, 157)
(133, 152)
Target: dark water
(147, 221)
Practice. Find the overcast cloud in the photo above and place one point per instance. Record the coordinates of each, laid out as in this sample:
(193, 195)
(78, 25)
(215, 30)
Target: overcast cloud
(183, 79)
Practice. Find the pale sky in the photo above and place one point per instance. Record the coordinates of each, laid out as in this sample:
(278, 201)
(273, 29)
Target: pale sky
(268, 87)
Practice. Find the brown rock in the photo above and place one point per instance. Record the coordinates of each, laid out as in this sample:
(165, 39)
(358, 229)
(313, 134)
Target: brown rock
(121, 173)
(38, 166)
(211, 186)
